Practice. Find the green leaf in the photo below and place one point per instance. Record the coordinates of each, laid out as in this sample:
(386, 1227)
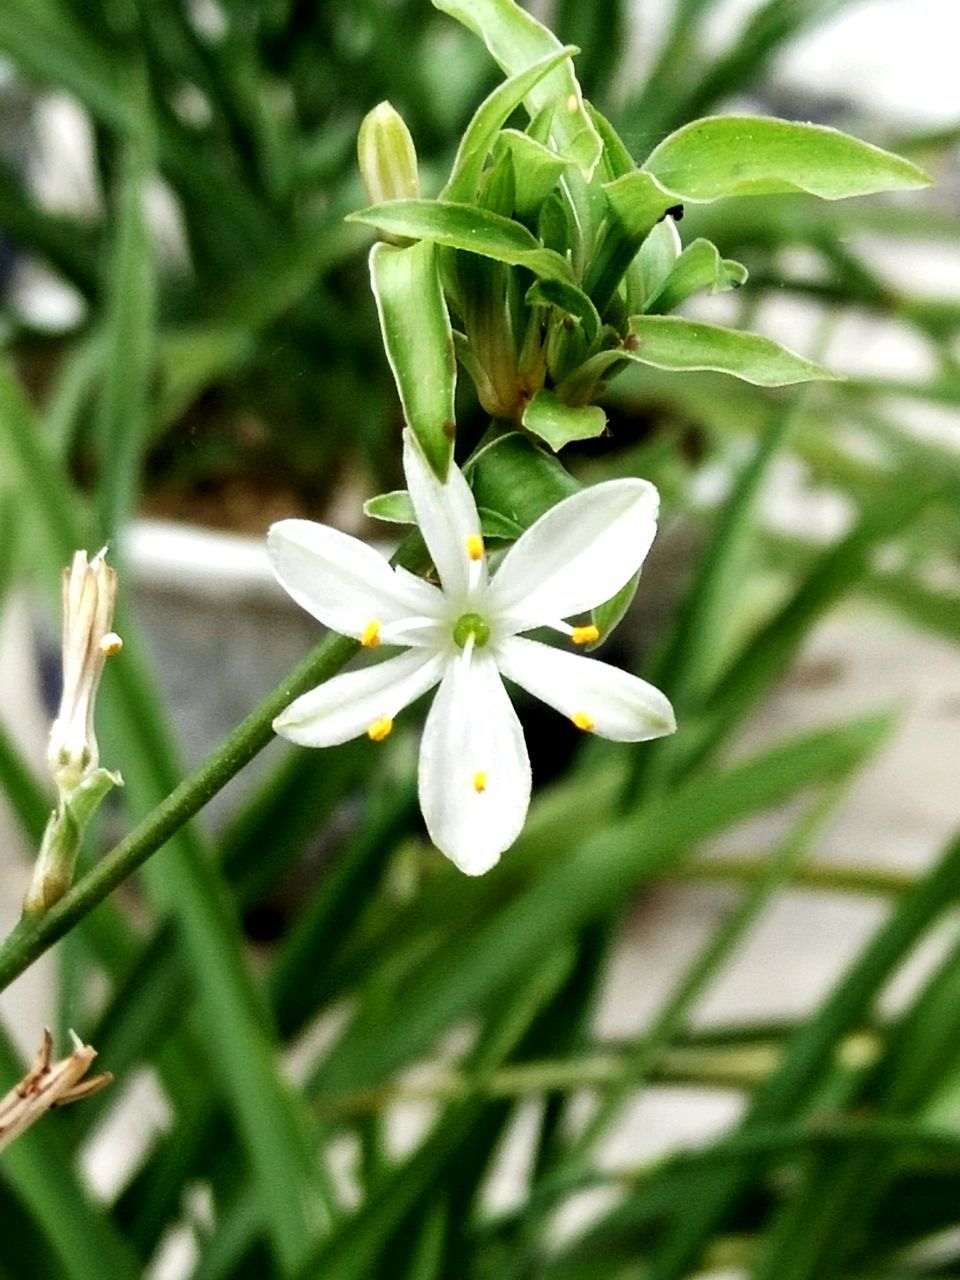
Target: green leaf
(275, 1127)
(698, 267)
(489, 118)
(461, 226)
(636, 203)
(751, 155)
(536, 169)
(616, 159)
(517, 42)
(495, 525)
(608, 616)
(396, 508)
(515, 478)
(656, 259)
(559, 293)
(558, 423)
(419, 344)
(194, 356)
(583, 882)
(122, 418)
(670, 342)
(638, 200)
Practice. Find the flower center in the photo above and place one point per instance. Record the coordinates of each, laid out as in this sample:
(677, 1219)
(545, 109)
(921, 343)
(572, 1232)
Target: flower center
(471, 624)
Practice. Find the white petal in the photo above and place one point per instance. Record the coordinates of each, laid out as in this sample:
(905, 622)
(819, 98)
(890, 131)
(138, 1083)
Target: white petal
(616, 704)
(580, 553)
(474, 769)
(342, 581)
(447, 516)
(346, 706)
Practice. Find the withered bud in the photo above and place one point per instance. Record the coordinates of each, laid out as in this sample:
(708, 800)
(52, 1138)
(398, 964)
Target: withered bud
(89, 594)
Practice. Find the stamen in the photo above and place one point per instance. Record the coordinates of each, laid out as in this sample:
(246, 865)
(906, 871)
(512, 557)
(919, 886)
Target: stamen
(583, 721)
(474, 546)
(380, 729)
(110, 644)
(370, 637)
(480, 782)
(585, 635)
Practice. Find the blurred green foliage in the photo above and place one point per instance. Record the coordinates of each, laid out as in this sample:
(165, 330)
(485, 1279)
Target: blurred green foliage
(255, 351)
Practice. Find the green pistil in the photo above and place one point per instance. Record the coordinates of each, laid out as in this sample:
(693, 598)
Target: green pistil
(471, 624)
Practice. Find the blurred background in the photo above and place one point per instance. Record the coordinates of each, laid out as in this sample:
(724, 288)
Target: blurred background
(190, 321)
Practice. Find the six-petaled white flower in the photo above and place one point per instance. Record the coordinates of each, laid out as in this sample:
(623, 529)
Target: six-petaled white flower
(474, 774)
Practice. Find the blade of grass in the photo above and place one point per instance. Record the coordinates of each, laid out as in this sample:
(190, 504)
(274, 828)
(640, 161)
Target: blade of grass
(783, 1097)
(584, 883)
(129, 337)
(275, 1131)
(834, 574)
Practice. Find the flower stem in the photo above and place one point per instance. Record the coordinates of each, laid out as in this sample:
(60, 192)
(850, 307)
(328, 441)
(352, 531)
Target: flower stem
(32, 937)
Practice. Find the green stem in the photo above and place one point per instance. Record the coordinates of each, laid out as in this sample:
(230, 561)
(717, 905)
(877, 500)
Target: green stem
(746, 868)
(31, 938)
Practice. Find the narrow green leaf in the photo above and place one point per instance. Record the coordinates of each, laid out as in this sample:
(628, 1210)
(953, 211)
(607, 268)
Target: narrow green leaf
(352, 1252)
(583, 883)
(123, 416)
(275, 1128)
(670, 342)
(786, 1092)
(698, 267)
(636, 203)
(419, 344)
(656, 259)
(536, 169)
(559, 293)
(638, 200)
(396, 508)
(558, 423)
(495, 525)
(515, 478)
(781, 863)
(617, 160)
(750, 155)
(608, 616)
(517, 42)
(192, 357)
(461, 226)
(489, 118)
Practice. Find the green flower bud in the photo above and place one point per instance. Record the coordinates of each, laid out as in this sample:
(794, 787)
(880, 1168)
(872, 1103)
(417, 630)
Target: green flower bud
(387, 156)
(53, 870)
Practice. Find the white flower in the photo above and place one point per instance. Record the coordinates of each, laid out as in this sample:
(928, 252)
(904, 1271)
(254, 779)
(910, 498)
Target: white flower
(474, 776)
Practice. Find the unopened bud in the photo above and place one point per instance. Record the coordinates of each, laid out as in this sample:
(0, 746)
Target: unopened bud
(387, 156)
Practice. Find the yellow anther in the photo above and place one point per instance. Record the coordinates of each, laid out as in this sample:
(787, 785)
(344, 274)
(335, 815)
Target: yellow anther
(479, 782)
(371, 635)
(585, 635)
(475, 546)
(583, 721)
(380, 729)
(111, 643)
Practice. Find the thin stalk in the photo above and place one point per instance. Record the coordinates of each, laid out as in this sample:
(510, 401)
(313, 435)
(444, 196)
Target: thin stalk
(710, 960)
(31, 938)
(745, 868)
